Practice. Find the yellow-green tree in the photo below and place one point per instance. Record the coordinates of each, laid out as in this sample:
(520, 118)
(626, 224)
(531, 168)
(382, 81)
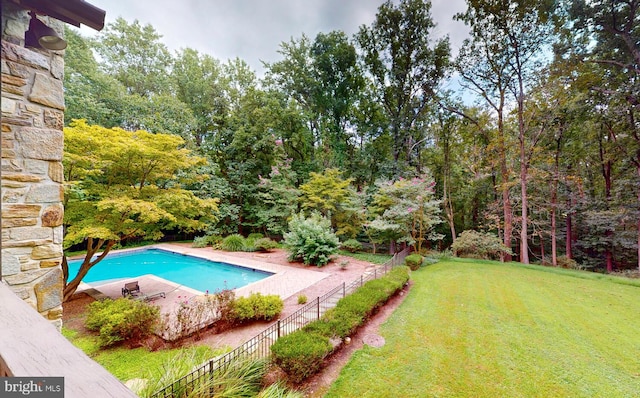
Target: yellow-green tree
(334, 198)
(122, 185)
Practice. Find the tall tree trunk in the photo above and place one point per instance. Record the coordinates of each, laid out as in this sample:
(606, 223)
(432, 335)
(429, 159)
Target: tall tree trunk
(606, 174)
(569, 232)
(554, 202)
(507, 211)
(637, 162)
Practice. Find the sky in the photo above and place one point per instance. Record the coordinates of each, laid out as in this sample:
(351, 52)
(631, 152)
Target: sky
(253, 30)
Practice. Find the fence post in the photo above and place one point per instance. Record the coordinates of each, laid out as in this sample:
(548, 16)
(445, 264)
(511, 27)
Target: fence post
(344, 289)
(278, 328)
(318, 301)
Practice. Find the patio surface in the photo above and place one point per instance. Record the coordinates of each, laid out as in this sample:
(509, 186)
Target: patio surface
(286, 281)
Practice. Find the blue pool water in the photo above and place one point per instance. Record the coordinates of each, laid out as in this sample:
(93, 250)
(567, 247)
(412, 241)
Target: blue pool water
(193, 272)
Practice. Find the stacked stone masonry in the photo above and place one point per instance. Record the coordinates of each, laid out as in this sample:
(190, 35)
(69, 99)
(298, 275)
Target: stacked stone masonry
(32, 174)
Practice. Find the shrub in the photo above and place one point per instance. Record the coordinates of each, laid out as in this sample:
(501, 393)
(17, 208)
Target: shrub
(265, 244)
(351, 246)
(300, 354)
(566, 262)
(233, 243)
(257, 307)
(121, 320)
(255, 236)
(302, 299)
(480, 245)
(189, 316)
(413, 261)
(200, 241)
(311, 240)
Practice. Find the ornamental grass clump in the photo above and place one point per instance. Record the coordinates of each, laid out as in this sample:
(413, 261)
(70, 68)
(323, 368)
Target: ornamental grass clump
(233, 243)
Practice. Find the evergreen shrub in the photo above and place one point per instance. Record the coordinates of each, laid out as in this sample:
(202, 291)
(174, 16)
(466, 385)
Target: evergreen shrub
(257, 307)
(300, 354)
(413, 261)
(351, 245)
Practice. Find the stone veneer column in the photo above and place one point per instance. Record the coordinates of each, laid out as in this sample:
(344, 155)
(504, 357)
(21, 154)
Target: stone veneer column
(32, 175)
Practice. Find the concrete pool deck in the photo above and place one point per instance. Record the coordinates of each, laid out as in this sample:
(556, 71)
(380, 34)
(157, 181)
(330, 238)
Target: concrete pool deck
(286, 281)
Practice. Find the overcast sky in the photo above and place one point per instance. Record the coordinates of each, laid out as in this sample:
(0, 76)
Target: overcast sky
(253, 29)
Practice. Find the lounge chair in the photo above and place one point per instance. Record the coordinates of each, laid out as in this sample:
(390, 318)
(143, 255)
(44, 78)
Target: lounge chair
(151, 297)
(131, 289)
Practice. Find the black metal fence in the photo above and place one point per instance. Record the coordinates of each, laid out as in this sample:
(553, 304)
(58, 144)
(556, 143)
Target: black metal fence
(259, 346)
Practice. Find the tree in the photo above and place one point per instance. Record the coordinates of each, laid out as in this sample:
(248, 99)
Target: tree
(123, 185)
(279, 196)
(134, 55)
(405, 71)
(501, 58)
(333, 197)
(405, 211)
(613, 29)
(199, 81)
(323, 79)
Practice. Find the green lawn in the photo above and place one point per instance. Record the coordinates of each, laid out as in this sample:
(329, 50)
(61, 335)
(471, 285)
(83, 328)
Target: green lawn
(126, 363)
(484, 329)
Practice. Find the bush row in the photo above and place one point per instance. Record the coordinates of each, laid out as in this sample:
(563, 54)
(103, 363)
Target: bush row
(236, 243)
(124, 319)
(301, 353)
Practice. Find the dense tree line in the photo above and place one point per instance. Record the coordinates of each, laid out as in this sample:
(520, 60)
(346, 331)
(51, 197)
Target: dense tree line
(546, 156)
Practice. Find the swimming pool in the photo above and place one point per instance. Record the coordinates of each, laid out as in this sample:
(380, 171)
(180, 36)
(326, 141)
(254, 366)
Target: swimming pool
(196, 273)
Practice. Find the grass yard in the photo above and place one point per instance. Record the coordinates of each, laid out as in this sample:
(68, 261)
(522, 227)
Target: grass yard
(484, 329)
(126, 363)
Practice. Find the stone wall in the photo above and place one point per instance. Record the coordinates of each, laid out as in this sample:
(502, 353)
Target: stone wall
(32, 174)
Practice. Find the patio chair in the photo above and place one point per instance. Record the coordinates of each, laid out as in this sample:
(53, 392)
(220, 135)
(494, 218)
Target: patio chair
(131, 289)
(150, 297)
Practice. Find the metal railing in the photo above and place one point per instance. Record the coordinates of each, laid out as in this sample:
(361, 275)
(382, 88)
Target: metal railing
(259, 346)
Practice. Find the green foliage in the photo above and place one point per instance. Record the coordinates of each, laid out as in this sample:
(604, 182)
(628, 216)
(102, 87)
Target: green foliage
(121, 320)
(302, 299)
(402, 57)
(368, 257)
(200, 241)
(333, 197)
(473, 244)
(311, 240)
(405, 211)
(233, 243)
(257, 307)
(414, 261)
(352, 310)
(300, 354)
(566, 262)
(242, 378)
(351, 245)
(265, 244)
